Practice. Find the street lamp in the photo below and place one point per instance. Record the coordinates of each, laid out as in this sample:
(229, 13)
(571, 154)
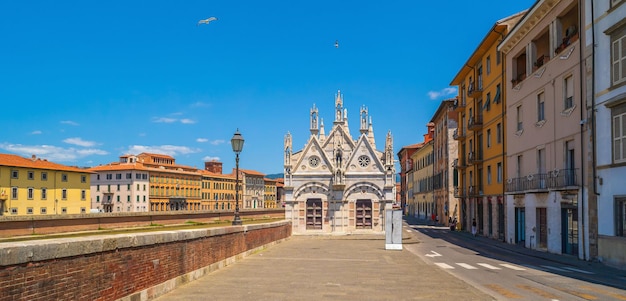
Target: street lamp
(237, 143)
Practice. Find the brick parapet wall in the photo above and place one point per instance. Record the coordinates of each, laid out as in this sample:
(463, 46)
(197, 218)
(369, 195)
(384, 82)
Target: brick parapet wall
(138, 266)
(51, 224)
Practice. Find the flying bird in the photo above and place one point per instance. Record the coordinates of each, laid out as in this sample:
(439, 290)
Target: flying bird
(336, 43)
(206, 21)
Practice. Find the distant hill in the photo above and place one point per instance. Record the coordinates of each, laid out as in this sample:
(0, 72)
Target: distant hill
(275, 176)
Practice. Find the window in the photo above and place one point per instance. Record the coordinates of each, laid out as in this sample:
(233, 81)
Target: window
(129, 175)
(13, 210)
(97, 199)
(44, 193)
(15, 174)
(488, 137)
(496, 99)
(569, 92)
(499, 133)
(620, 217)
(128, 198)
(97, 187)
(83, 179)
(488, 63)
(618, 56)
(128, 187)
(109, 176)
(138, 176)
(619, 133)
(64, 194)
(83, 210)
(499, 172)
(83, 195)
(63, 210)
(144, 187)
(541, 107)
(13, 193)
(137, 199)
(44, 210)
(498, 57)
(488, 174)
(44, 176)
(29, 210)
(118, 198)
(144, 198)
(30, 175)
(64, 177)
(118, 176)
(30, 193)
(520, 124)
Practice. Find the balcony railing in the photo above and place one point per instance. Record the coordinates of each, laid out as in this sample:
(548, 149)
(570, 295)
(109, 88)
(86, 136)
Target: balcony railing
(554, 180)
(474, 157)
(474, 91)
(459, 192)
(459, 104)
(475, 122)
(458, 135)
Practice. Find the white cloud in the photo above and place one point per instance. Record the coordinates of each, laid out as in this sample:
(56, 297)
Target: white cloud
(208, 159)
(80, 142)
(199, 104)
(442, 93)
(202, 140)
(217, 142)
(187, 121)
(37, 132)
(50, 152)
(170, 150)
(163, 120)
(69, 122)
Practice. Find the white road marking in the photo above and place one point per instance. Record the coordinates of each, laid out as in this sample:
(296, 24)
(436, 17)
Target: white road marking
(434, 254)
(579, 271)
(467, 266)
(555, 268)
(444, 266)
(512, 267)
(486, 265)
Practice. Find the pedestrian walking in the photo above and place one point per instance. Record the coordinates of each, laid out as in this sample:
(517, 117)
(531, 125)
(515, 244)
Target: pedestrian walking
(474, 227)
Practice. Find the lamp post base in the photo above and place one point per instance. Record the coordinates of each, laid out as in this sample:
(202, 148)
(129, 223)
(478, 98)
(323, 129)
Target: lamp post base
(237, 222)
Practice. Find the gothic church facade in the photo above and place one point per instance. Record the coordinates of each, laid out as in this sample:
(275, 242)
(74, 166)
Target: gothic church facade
(338, 184)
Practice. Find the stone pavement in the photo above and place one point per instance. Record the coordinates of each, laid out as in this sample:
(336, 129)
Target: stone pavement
(350, 267)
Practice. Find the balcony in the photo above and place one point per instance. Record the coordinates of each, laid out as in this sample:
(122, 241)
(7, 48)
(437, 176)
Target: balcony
(474, 90)
(474, 190)
(459, 163)
(555, 180)
(458, 135)
(459, 192)
(474, 158)
(475, 123)
(459, 105)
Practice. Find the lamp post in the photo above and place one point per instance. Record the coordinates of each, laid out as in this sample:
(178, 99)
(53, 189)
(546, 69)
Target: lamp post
(237, 144)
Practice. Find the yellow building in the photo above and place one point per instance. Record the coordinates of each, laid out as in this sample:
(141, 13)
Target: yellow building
(480, 133)
(218, 191)
(421, 202)
(173, 187)
(270, 193)
(34, 186)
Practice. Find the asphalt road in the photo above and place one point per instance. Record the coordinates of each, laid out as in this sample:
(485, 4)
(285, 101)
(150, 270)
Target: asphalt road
(507, 273)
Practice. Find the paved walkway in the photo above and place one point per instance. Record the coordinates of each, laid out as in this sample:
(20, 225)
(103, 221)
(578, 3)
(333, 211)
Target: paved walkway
(353, 267)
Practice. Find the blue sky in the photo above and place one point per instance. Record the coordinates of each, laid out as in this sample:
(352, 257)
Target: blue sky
(83, 82)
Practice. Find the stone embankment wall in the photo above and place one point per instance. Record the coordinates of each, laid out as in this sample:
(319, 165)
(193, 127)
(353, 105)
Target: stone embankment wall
(12, 226)
(138, 266)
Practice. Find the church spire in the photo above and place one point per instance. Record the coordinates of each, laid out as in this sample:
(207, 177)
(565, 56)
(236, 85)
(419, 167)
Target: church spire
(339, 111)
(370, 134)
(364, 127)
(322, 133)
(314, 120)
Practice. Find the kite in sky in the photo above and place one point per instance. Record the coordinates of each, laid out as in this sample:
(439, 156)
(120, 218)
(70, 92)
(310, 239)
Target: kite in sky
(206, 21)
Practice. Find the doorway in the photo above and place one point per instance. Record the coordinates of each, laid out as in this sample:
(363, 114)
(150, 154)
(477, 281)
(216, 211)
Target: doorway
(314, 214)
(364, 214)
(520, 226)
(569, 231)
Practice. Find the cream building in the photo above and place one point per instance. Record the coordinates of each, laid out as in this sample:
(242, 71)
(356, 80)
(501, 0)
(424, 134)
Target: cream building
(338, 184)
(544, 147)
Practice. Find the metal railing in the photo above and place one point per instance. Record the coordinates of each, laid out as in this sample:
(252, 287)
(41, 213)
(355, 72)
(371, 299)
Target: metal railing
(557, 179)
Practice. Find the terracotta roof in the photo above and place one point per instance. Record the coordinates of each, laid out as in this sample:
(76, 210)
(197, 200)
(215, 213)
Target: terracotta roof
(214, 174)
(118, 166)
(34, 162)
(269, 180)
(251, 172)
(156, 155)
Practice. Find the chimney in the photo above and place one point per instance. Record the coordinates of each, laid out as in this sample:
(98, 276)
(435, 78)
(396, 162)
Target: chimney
(34, 158)
(213, 166)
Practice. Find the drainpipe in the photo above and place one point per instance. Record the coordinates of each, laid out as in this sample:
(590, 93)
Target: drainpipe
(582, 131)
(593, 101)
(502, 98)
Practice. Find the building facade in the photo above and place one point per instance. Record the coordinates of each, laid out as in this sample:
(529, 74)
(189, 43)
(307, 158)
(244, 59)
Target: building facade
(120, 186)
(606, 52)
(218, 189)
(338, 184)
(270, 193)
(253, 188)
(421, 201)
(35, 186)
(544, 147)
(445, 150)
(481, 108)
(406, 167)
